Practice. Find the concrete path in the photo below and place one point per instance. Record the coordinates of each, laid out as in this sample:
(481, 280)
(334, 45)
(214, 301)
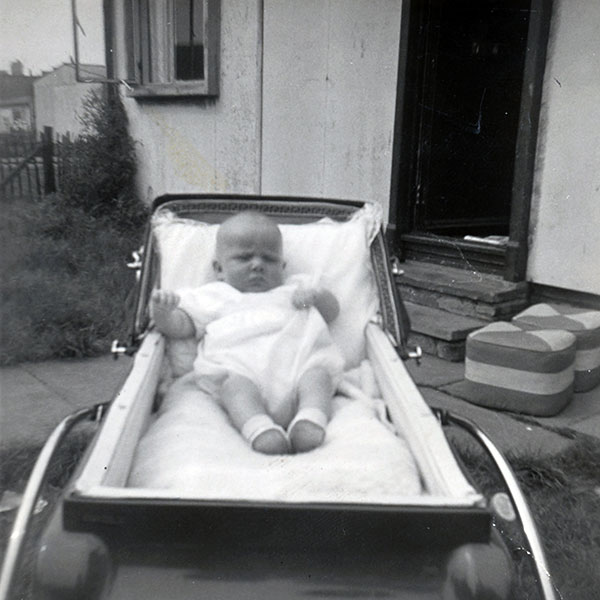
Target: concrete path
(34, 397)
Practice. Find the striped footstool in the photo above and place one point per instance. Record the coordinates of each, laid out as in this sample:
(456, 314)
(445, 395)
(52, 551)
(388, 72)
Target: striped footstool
(529, 372)
(583, 323)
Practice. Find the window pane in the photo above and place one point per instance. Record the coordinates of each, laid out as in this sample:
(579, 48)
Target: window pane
(132, 29)
(145, 51)
(189, 42)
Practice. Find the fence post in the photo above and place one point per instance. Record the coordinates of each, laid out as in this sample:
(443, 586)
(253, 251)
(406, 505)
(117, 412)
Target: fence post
(48, 160)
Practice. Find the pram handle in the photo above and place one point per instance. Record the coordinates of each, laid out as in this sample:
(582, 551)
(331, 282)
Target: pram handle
(32, 491)
(547, 587)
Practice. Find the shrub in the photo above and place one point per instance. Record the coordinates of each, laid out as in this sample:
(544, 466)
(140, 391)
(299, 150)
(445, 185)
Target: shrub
(99, 166)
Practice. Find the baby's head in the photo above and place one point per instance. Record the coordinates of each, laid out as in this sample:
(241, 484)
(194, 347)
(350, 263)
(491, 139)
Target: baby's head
(249, 253)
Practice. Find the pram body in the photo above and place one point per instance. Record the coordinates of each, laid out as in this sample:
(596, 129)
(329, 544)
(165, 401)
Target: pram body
(108, 539)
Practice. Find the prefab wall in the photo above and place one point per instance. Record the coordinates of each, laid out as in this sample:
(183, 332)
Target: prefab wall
(305, 106)
(565, 219)
(307, 93)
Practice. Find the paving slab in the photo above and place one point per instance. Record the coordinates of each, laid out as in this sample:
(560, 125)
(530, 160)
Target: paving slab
(435, 372)
(441, 324)
(511, 435)
(589, 426)
(440, 382)
(581, 414)
(82, 382)
(35, 397)
(28, 410)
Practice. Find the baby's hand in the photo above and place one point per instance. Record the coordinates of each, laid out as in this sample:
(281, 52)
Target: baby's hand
(169, 319)
(304, 298)
(164, 300)
(322, 299)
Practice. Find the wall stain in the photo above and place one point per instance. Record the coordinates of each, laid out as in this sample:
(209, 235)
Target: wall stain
(188, 163)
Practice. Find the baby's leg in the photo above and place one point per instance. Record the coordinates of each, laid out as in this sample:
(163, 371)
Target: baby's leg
(243, 402)
(315, 393)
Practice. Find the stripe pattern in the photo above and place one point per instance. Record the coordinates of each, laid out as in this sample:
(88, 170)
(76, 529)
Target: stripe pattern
(583, 323)
(530, 372)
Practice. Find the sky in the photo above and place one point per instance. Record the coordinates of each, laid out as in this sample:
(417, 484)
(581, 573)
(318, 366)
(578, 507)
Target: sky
(39, 33)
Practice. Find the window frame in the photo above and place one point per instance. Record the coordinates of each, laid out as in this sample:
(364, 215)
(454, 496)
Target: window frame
(150, 50)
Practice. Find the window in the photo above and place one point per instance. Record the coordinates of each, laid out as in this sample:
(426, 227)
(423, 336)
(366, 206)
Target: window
(172, 47)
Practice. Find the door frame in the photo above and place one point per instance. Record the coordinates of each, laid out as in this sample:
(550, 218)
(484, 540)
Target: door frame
(406, 125)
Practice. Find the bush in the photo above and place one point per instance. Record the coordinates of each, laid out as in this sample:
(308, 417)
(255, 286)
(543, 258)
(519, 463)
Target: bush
(99, 167)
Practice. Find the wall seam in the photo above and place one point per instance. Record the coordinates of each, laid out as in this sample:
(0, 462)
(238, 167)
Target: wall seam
(261, 57)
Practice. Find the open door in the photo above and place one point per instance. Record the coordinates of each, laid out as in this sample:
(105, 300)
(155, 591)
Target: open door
(466, 65)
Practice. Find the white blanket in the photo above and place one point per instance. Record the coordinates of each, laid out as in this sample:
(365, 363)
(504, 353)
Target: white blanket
(191, 447)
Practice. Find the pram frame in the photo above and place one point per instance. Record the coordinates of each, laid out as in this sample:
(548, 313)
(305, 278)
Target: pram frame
(95, 500)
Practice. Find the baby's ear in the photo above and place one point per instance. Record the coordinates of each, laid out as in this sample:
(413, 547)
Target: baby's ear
(217, 268)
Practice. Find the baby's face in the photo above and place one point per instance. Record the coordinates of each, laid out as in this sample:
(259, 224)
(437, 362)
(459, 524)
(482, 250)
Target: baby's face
(251, 260)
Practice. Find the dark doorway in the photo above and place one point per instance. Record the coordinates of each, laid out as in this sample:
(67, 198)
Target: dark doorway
(461, 114)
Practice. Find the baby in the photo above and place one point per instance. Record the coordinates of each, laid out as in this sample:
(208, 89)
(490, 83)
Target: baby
(264, 347)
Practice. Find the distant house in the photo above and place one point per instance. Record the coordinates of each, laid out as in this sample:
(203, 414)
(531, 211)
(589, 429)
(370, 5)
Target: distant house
(58, 97)
(469, 122)
(16, 99)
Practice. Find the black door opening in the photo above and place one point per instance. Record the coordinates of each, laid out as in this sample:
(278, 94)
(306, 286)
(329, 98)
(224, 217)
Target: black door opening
(474, 59)
(465, 63)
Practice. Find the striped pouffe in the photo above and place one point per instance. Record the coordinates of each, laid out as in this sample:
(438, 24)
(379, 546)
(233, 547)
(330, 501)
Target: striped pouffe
(528, 372)
(583, 323)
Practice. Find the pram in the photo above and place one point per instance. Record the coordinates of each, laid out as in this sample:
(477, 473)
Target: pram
(169, 502)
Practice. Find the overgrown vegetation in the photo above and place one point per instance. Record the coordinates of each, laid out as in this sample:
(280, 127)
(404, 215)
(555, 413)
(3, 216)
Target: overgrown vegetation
(100, 165)
(64, 278)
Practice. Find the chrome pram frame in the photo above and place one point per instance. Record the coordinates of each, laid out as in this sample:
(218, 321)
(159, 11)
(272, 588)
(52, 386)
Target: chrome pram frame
(96, 514)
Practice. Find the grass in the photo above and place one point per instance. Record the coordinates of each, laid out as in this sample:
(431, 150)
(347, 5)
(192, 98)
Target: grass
(563, 493)
(64, 281)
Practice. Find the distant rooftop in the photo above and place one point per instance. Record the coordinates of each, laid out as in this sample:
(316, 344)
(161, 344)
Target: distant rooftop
(86, 70)
(15, 85)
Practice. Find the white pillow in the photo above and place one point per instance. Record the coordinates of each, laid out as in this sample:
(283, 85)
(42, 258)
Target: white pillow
(336, 253)
(186, 250)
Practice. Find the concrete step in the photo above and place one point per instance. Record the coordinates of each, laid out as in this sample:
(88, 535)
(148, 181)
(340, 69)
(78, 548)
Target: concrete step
(439, 332)
(469, 293)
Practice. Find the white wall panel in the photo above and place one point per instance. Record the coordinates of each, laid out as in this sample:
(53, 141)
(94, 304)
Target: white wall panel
(329, 91)
(294, 96)
(200, 144)
(565, 219)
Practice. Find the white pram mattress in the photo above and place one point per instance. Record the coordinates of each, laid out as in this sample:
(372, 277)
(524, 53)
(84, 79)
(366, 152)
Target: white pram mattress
(191, 448)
